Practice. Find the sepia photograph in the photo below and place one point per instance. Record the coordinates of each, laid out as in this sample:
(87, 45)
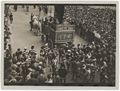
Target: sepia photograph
(59, 44)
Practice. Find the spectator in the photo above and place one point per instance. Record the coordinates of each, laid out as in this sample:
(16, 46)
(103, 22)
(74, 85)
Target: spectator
(11, 18)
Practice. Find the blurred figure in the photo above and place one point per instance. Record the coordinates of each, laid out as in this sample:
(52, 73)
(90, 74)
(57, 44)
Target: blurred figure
(11, 18)
(27, 8)
(15, 7)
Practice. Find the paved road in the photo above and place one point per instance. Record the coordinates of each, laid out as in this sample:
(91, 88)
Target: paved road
(21, 36)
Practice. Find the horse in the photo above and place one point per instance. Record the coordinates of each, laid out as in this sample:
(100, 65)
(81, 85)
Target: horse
(35, 25)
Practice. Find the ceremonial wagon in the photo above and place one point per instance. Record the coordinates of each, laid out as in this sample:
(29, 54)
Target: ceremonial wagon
(60, 34)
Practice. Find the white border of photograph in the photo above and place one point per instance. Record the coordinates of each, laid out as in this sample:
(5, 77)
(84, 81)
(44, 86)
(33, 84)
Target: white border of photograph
(61, 87)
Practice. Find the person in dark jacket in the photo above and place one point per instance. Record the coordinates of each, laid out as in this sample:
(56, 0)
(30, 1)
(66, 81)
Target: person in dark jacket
(74, 70)
(62, 73)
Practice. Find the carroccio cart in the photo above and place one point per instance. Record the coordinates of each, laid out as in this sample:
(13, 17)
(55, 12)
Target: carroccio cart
(60, 34)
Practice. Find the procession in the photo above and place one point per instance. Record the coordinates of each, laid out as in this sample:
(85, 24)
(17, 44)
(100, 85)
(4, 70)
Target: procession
(59, 45)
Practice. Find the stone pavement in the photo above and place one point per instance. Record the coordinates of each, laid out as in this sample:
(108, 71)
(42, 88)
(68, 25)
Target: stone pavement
(21, 35)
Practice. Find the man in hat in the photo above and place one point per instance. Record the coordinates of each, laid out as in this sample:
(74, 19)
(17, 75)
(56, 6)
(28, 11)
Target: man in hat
(18, 53)
(25, 53)
(32, 51)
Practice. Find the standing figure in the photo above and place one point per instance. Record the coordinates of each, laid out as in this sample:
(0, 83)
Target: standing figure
(39, 7)
(34, 6)
(15, 7)
(11, 18)
(42, 38)
(6, 21)
(31, 21)
(27, 8)
(62, 74)
(23, 6)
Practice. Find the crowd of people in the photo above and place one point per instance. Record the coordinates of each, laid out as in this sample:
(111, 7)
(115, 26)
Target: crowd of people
(7, 39)
(96, 25)
(89, 20)
(84, 62)
(92, 63)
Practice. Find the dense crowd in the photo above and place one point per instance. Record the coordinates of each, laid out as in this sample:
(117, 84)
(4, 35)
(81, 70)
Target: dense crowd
(85, 63)
(89, 20)
(96, 25)
(7, 41)
(92, 63)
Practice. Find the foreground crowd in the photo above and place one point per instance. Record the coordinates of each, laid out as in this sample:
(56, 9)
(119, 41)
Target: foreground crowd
(85, 63)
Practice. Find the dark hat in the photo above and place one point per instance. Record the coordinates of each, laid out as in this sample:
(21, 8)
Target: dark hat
(32, 47)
